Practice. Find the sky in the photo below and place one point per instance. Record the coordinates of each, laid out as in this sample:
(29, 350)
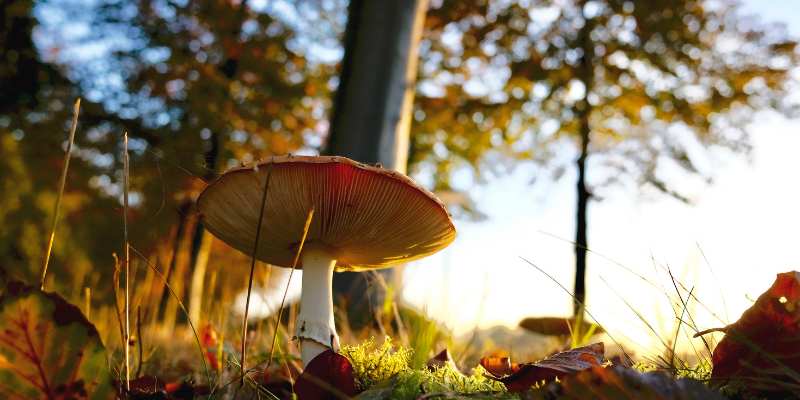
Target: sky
(728, 246)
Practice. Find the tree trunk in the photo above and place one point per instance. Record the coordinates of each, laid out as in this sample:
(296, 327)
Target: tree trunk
(581, 239)
(201, 245)
(202, 240)
(584, 111)
(372, 108)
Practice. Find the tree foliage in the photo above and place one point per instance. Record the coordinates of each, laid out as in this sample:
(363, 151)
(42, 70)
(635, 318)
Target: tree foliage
(668, 79)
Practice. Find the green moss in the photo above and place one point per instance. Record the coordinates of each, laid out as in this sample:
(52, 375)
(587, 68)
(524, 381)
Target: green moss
(412, 383)
(373, 365)
(700, 371)
(385, 373)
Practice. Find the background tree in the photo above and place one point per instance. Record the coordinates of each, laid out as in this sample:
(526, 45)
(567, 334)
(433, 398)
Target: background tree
(223, 77)
(200, 86)
(371, 118)
(634, 90)
(34, 112)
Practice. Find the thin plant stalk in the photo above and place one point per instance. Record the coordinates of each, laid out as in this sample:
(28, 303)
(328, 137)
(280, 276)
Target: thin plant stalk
(252, 270)
(87, 302)
(289, 282)
(183, 308)
(125, 176)
(139, 341)
(62, 184)
(583, 305)
(117, 309)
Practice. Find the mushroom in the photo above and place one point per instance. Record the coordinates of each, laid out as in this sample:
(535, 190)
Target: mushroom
(555, 326)
(365, 218)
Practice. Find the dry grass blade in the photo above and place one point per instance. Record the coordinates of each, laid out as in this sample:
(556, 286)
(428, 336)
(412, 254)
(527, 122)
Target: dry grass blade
(125, 177)
(288, 282)
(62, 184)
(714, 276)
(586, 310)
(638, 314)
(181, 305)
(87, 302)
(117, 308)
(252, 270)
(685, 304)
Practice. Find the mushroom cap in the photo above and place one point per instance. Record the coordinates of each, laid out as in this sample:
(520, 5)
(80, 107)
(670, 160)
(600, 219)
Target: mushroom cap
(556, 326)
(366, 217)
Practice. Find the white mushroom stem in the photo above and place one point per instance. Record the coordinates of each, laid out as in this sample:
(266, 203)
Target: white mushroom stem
(315, 326)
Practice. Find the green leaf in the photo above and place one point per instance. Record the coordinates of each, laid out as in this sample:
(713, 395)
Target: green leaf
(48, 349)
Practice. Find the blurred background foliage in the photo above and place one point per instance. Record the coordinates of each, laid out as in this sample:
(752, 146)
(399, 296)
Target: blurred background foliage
(205, 85)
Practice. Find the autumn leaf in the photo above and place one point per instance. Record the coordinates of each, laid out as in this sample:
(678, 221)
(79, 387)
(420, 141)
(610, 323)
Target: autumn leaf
(278, 380)
(146, 387)
(762, 348)
(153, 388)
(48, 349)
(442, 359)
(499, 366)
(619, 383)
(555, 366)
(328, 376)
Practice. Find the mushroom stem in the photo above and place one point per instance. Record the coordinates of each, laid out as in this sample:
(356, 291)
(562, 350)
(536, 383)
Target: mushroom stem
(315, 326)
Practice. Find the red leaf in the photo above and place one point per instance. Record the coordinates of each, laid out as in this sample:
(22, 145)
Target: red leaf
(328, 376)
(763, 346)
(555, 366)
(48, 349)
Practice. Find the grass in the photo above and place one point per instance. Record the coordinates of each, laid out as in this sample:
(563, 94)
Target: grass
(61, 186)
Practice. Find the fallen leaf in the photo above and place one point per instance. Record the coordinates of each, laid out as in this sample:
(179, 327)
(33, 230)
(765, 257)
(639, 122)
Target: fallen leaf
(185, 390)
(499, 366)
(442, 359)
(153, 388)
(762, 349)
(619, 383)
(48, 349)
(328, 376)
(555, 366)
(146, 387)
(279, 379)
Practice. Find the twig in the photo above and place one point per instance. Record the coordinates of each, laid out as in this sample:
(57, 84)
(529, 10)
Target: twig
(62, 184)
(252, 269)
(288, 282)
